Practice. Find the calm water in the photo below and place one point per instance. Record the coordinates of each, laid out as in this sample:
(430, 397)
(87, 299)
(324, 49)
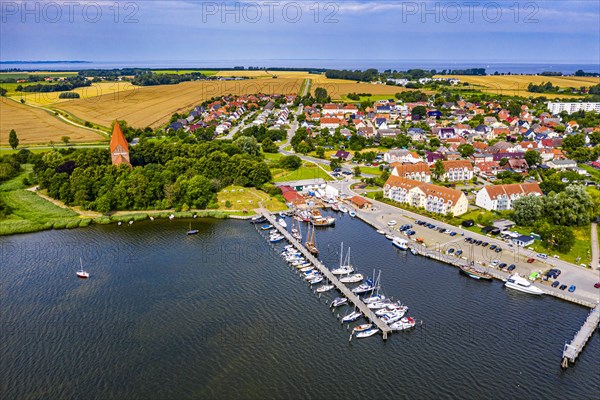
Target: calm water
(400, 65)
(219, 315)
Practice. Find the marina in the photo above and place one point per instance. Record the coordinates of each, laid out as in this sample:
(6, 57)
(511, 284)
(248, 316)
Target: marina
(348, 294)
(225, 297)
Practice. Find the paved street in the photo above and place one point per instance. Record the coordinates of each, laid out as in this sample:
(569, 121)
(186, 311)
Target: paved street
(595, 250)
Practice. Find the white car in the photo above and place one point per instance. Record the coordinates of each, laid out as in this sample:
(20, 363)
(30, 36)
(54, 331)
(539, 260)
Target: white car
(494, 263)
(392, 223)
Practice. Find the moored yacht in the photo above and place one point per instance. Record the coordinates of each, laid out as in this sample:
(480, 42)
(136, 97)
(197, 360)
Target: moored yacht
(521, 284)
(354, 278)
(400, 243)
(352, 316)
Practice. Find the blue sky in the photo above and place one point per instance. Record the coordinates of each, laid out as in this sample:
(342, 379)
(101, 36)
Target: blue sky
(530, 32)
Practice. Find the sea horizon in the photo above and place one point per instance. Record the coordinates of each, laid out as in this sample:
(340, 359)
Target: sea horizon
(353, 64)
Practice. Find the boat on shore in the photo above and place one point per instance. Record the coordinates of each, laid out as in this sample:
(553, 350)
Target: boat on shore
(475, 273)
(400, 243)
(521, 284)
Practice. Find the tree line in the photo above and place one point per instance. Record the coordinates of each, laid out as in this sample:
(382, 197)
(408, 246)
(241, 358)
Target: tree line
(151, 79)
(70, 83)
(163, 176)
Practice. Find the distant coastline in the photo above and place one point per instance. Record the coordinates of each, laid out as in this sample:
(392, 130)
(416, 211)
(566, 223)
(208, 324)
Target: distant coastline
(306, 64)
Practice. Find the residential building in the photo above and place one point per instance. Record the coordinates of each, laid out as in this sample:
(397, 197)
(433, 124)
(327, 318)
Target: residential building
(417, 172)
(562, 165)
(433, 198)
(500, 197)
(457, 170)
(570, 108)
(400, 156)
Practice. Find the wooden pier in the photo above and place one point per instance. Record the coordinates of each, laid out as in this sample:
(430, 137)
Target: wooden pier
(353, 298)
(573, 349)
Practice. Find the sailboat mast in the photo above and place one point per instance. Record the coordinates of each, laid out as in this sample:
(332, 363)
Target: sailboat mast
(341, 253)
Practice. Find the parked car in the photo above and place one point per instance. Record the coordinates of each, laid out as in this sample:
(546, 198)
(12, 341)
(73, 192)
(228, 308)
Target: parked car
(530, 260)
(391, 223)
(337, 170)
(459, 252)
(410, 232)
(452, 233)
(597, 285)
(492, 247)
(555, 283)
(347, 173)
(468, 239)
(494, 263)
(450, 250)
(502, 265)
(542, 256)
(485, 244)
(478, 242)
(563, 287)
(498, 249)
(511, 267)
(572, 288)
(553, 273)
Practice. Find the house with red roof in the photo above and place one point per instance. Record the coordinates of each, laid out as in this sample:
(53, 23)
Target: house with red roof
(119, 148)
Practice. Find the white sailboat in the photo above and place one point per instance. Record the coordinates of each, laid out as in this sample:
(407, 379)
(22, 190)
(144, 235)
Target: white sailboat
(345, 267)
(81, 273)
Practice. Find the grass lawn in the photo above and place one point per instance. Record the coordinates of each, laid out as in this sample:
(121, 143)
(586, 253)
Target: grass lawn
(592, 171)
(305, 172)
(241, 198)
(368, 98)
(370, 170)
(272, 156)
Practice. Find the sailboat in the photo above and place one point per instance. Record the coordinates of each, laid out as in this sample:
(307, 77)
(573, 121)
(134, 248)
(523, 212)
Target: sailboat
(192, 231)
(81, 273)
(311, 246)
(473, 272)
(345, 267)
(296, 230)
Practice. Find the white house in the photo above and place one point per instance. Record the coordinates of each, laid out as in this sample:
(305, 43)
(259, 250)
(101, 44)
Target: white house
(501, 197)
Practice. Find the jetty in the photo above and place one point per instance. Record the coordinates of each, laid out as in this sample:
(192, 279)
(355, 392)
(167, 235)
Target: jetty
(353, 298)
(573, 349)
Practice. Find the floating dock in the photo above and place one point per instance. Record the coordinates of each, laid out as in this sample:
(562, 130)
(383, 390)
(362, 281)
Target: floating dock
(573, 349)
(353, 298)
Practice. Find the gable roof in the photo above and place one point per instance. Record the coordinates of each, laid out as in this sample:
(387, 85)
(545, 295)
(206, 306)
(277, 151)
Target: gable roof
(118, 139)
(525, 189)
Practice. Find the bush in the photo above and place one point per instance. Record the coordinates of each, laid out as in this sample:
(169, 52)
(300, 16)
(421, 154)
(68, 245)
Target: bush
(69, 95)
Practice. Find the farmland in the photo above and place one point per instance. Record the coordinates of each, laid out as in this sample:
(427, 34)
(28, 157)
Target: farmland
(38, 126)
(516, 85)
(153, 105)
(114, 89)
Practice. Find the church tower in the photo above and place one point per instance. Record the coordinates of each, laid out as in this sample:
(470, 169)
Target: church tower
(119, 149)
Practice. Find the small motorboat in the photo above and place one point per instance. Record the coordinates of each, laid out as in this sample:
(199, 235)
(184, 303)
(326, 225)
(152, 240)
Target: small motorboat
(282, 222)
(355, 278)
(403, 324)
(343, 208)
(380, 232)
(367, 333)
(266, 227)
(352, 316)
(389, 237)
(352, 214)
(316, 280)
(414, 252)
(275, 238)
(377, 297)
(258, 219)
(362, 328)
(338, 301)
(306, 269)
(392, 317)
(324, 288)
(334, 207)
(379, 304)
(400, 243)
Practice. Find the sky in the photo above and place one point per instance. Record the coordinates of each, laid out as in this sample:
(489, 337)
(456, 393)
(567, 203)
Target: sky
(495, 31)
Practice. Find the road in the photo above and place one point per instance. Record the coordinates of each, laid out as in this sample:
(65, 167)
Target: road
(306, 87)
(236, 128)
(572, 274)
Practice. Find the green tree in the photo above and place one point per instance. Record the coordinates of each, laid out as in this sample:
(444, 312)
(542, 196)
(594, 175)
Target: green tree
(555, 237)
(321, 95)
(13, 140)
(533, 158)
(572, 142)
(419, 110)
(357, 171)
(438, 169)
(570, 207)
(320, 152)
(291, 163)
(334, 164)
(248, 145)
(66, 140)
(528, 210)
(268, 145)
(466, 150)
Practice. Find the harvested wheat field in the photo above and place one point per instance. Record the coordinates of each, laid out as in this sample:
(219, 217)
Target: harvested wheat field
(115, 89)
(36, 126)
(153, 105)
(516, 85)
(337, 88)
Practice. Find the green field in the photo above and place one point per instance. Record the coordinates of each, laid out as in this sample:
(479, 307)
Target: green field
(305, 172)
(368, 98)
(25, 75)
(242, 198)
